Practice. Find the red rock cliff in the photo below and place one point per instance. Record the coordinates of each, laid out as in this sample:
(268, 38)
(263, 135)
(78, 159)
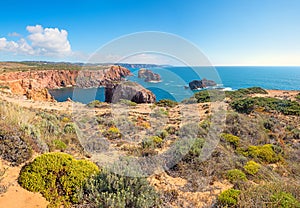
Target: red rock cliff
(34, 84)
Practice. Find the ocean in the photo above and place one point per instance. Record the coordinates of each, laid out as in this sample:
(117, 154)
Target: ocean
(174, 80)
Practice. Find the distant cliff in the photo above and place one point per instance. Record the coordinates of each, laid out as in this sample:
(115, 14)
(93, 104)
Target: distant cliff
(148, 75)
(34, 84)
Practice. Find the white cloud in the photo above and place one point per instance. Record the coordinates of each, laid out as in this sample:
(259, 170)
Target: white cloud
(40, 41)
(49, 41)
(21, 46)
(14, 34)
(35, 29)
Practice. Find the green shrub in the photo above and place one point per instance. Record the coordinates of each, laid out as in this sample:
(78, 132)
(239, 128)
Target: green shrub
(229, 197)
(111, 190)
(113, 133)
(233, 140)
(247, 105)
(265, 153)
(127, 102)
(268, 194)
(57, 176)
(58, 144)
(209, 96)
(167, 103)
(4, 87)
(196, 149)
(285, 200)
(245, 92)
(95, 104)
(243, 106)
(298, 96)
(252, 167)
(70, 128)
(152, 142)
(162, 134)
(236, 175)
(202, 96)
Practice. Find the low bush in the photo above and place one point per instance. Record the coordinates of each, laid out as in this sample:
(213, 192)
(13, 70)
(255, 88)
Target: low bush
(14, 149)
(95, 104)
(247, 105)
(244, 92)
(298, 96)
(127, 102)
(243, 106)
(70, 128)
(209, 96)
(167, 103)
(152, 142)
(264, 153)
(196, 149)
(252, 167)
(111, 190)
(236, 175)
(59, 145)
(229, 198)
(57, 176)
(285, 200)
(270, 194)
(231, 139)
(113, 133)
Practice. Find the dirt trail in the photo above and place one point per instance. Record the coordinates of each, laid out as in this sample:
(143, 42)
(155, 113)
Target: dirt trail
(16, 196)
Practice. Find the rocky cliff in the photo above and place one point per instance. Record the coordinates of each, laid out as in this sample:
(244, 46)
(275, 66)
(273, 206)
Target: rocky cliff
(129, 91)
(148, 75)
(34, 84)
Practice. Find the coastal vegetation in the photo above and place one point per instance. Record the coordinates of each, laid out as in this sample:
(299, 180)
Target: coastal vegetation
(255, 160)
(57, 176)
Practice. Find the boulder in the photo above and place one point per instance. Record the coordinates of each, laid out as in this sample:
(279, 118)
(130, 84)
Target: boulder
(128, 91)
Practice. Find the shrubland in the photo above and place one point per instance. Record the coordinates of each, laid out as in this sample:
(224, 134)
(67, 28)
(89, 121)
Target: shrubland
(256, 155)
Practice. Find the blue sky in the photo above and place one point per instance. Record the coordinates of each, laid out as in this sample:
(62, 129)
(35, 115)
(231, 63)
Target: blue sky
(229, 32)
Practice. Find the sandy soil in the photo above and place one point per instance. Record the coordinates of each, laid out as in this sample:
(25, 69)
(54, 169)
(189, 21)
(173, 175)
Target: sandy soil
(281, 94)
(16, 196)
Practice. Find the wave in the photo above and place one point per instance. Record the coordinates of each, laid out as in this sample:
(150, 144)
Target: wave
(227, 89)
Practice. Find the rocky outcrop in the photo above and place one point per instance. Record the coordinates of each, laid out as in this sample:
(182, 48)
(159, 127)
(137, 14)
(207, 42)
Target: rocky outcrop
(198, 84)
(129, 91)
(34, 84)
(148, 75)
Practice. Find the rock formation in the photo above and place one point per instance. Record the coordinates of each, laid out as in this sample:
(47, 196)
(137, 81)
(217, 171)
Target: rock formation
(129, 91)
(198, 84)
(34, 84)
(148, 75)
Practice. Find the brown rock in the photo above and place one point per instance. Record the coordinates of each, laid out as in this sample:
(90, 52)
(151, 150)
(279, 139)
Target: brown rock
(148, 75)
(129, 91)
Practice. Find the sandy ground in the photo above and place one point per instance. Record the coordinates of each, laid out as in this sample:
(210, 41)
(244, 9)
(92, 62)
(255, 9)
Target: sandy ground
(281, 94)
(16, 196)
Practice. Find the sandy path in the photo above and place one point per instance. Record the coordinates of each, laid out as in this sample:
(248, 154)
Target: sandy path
(16, 196)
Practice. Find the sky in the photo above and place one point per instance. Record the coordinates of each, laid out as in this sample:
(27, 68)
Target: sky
(227, 32)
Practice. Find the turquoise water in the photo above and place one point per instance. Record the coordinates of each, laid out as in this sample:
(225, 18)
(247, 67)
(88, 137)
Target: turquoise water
(175, 78)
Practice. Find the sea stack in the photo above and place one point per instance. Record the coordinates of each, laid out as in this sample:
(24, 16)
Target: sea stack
(148, 75)
(199, 84)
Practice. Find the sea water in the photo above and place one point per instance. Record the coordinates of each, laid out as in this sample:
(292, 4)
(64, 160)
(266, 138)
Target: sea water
(174, 81)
